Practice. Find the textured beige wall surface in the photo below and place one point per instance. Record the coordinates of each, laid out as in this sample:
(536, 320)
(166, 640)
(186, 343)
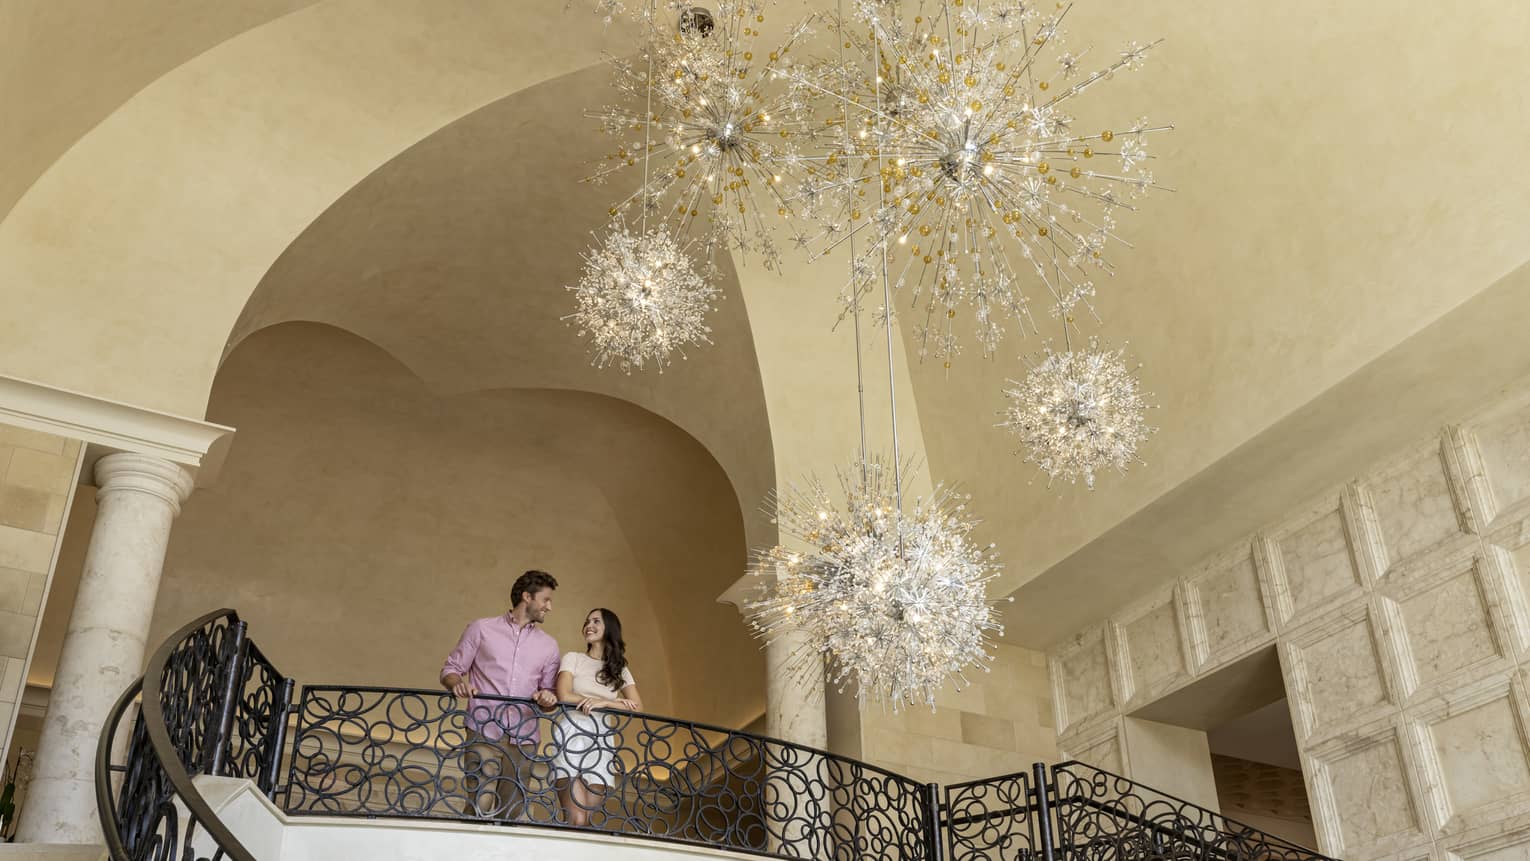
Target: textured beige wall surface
(37, 479)
(1000, 724)
(1173, 759)
(1398, 602)
(362, 521)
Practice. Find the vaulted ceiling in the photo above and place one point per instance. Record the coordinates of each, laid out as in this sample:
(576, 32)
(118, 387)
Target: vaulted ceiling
(1343, 185)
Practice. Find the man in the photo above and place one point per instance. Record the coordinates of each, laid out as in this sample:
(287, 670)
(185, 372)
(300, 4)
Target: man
(508, 656)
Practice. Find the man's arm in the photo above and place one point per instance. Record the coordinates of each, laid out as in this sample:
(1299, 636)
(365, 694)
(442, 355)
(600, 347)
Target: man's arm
(547, 681)
(454, 673)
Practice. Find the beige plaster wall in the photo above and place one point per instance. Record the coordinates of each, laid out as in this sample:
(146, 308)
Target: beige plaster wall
(1174, 759)
(1000, 724)
(362, 520)
(1398, 602)
(37, 478)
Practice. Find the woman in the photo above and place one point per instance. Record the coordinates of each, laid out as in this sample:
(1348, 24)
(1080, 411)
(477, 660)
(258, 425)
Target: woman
(585, 744)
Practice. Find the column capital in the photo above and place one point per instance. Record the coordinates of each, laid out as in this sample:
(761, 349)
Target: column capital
(740, 593)
(108, 426)
(143, 473)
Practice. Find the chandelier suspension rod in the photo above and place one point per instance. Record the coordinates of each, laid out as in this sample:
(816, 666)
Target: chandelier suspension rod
(855, 289)
(892, 392)
(647, 116)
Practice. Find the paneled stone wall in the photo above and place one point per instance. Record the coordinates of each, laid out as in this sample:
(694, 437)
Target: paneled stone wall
(1398, 603)
(37, 475)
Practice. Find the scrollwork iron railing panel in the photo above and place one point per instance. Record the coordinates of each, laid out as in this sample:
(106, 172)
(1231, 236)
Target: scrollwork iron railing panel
(994, 819)
(388, 752)
(149, 808)
(259, 709)
(1105, 817)
(190, 688)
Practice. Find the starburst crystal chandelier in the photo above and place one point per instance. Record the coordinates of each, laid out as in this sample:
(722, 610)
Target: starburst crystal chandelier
(896, 600)
(641, 300)
(724, 119)
(986, 190)
(1078, 412)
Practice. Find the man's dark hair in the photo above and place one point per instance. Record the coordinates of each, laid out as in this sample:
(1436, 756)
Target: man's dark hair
(532, 581)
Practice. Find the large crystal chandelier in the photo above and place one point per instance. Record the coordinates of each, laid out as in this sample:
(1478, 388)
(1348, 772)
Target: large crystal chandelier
(979, 182)
(895, 600)
(640, 300)
(731, 120)
(1078, 412)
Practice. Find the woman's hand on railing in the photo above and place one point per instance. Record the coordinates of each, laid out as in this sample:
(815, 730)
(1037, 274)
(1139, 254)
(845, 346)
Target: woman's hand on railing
(589, 704)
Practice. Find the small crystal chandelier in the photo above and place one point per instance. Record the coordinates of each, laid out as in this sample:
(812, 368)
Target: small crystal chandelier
(640, 299)
(1078, 412)
(727, 120)
(895, 600)
(981, 186)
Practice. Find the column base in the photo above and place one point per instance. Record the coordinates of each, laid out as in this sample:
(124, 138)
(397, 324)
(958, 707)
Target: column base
(52, 852)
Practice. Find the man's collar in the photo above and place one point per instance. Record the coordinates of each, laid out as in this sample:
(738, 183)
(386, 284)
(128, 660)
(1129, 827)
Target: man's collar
(510, 617)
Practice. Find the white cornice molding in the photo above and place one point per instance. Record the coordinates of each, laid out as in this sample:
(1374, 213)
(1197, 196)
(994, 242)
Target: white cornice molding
(109, 426)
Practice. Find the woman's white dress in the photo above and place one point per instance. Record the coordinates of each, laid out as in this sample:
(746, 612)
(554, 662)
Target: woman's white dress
(585, 744)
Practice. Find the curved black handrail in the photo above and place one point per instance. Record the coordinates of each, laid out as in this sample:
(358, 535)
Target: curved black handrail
(106, 805)
(157, 776)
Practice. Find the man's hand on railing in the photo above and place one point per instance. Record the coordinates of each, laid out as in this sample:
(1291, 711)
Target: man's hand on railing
(545, 698)
(459, 686)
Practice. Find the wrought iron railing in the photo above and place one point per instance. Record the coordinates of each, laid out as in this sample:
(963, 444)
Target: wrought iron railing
(197, 688)
(1103, 816)
(211, 703)
(389, 752)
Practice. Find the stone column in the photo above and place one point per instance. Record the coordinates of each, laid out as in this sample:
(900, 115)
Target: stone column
(794, 695)
(794, 701)
(794, 712)
(104, 646)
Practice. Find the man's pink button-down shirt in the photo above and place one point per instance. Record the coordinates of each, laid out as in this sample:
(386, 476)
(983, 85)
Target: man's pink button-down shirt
(497, 656)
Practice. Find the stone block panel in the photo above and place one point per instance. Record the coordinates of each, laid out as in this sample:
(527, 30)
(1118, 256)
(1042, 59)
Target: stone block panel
(1081, 679)
(1102, 750)
(1503, 443)
(1153, 656)
(1228, 609)
(1335, 674)
(1365, 797)
(1481, 753)
(1449, 624)
(1316, 564)
(1415, 505)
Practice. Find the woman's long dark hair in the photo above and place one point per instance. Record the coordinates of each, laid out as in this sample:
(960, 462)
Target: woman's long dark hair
(614, 656)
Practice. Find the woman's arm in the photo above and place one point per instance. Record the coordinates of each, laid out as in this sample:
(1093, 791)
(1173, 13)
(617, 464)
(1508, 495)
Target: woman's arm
(565, 691)
(630, 699)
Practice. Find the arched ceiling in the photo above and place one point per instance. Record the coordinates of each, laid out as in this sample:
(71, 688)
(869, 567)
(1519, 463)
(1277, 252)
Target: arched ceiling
(66, 64)
(454, 257)
(1339, 192)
